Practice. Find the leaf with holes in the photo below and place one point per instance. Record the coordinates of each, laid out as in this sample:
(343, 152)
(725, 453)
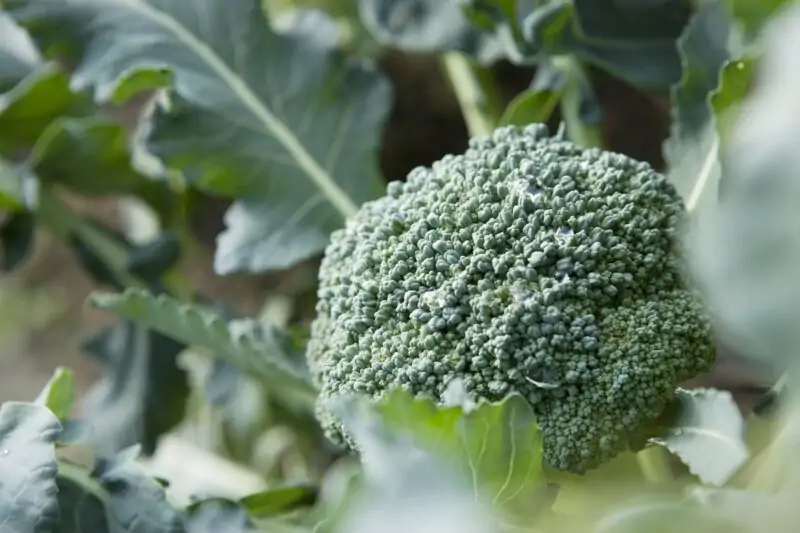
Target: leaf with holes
(281, 120)
(708, 434)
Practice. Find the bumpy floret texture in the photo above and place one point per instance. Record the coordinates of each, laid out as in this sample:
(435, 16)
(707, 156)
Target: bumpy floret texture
(527, 264)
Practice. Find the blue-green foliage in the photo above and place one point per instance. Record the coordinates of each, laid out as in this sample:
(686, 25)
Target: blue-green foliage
(526, 264)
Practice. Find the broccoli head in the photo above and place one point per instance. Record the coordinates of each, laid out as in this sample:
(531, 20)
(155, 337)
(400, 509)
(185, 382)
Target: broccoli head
(527, 264)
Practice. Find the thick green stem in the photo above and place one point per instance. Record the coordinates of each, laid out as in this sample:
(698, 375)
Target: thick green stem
(654, 462)
(475, 92)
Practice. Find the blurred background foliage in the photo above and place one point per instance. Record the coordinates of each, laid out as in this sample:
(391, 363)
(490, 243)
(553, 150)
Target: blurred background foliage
(45, 320)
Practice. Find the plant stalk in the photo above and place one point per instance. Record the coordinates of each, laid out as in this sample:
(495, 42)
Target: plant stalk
(475, 92)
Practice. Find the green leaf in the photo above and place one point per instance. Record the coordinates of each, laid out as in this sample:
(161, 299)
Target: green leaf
(280, 500)
(708, 434)
(753, 15)
(744, 253)
(143, 392)
(256, 350)
(59, 393)
(734, 86)
(28, 468)
(135, 503)
(217, 515)
(16, 239)
(279, 119)
(29, 107)
(497, 446)
(692, 150)
(428, 26)
(93, 157)
(260, 234)
(530, 107)
(633, 42)
(82, 511)
(409, 481)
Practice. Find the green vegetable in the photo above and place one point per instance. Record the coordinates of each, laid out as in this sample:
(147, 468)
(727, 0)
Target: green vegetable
(526, 264)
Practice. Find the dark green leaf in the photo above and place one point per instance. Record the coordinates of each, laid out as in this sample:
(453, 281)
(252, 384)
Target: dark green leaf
(81, 510)
(617, 45)
(151, 260)
(529, 107)
(257, 350)
(692, 150)
(497, 446)
(261, 234)
(59, 394)
(143, 391)
(633, 20)
(707, 434)
(280, 500)
(217, 515)
(16, 238)
(428, 26)
(284, 120)
(91, 262)
(30, 107)
(28, 468)
(135, 502)
(94, 157)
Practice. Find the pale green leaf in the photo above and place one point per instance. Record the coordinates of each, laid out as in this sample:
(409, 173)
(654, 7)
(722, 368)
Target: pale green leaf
(256, 350)
(28, 468)
(708, 434)
(496, 446)
(744, 253)
(59, 393)
(692, 150)
(530, 107)
(278, 119)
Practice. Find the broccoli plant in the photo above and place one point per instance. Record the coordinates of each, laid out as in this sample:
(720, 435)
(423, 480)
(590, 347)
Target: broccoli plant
(500, 341)
(526, 264)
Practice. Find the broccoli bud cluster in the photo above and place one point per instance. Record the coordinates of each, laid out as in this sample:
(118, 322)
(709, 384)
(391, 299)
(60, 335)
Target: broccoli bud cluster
(527, 264)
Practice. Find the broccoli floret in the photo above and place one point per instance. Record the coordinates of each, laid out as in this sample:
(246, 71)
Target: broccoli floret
(526, 264)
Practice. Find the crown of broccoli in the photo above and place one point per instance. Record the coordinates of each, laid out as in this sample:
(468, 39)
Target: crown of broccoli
(526, 264)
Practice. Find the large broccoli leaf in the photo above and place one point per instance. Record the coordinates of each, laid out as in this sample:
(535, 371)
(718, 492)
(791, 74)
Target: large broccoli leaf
(494, 448)
(255, 349)
(275, 119)
(28, 468)
(692, 150)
